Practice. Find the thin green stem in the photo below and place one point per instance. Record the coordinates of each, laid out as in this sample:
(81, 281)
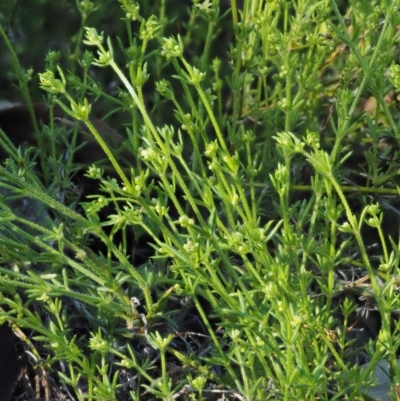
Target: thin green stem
(356, 230)
(23, 86)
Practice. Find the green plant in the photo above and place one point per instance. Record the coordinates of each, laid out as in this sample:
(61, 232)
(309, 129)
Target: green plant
(241, 295)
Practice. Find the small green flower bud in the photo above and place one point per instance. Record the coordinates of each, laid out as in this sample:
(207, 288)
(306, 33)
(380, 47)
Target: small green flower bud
(50, 84)
(93, 38)
(95, 172)
(149, 28)
(185, 221)
(345, 227)
(81, 110)
(172, 48)
(165, 89)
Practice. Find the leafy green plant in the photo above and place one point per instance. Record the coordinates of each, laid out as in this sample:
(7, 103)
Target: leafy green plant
(235, 179)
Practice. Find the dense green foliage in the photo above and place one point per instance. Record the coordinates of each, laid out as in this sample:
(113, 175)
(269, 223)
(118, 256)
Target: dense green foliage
(212, 248)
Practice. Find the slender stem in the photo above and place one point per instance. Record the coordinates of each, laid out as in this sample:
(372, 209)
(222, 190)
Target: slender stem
(356, 230)
(23, 86)
(345, 188)
(234, 12)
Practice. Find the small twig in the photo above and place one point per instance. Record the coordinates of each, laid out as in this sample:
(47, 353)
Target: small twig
(36, 355)
(145, 329)
(187, 390)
